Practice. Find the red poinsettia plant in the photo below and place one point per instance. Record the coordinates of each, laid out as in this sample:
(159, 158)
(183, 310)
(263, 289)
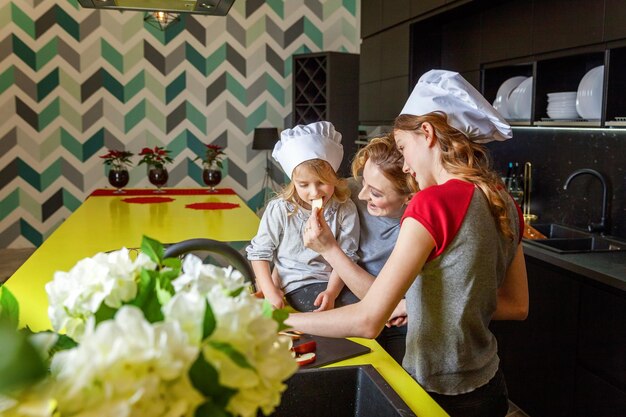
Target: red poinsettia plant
(116, 158)
(213, 153)
(155, 157)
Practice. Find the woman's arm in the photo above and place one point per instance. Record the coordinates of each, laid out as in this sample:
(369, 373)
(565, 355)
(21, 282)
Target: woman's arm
(367, 317)
(513, 293)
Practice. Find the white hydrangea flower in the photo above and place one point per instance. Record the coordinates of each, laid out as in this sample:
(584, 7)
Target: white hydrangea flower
(127, 367)
(75, 296)
(202, 278)
(240, 322)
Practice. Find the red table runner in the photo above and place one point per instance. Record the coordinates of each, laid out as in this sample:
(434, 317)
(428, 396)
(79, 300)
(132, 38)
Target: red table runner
(212, 206)
(147, 200)
(109, 192)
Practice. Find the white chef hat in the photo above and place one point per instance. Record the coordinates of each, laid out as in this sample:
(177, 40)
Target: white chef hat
(317, 140)
(467, 110)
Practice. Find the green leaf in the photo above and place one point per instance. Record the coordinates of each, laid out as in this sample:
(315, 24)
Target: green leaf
(144, 286)
(209, 323)
(104, 313)
(210, 409)
(268, 309)
(236, 292)
(164, 291)
(63, 343)
(280, 316)
(153, 248)
(204, 378)
(9, 308)
(20, 362)
(147, 298)
(232, 353)
(173, 263)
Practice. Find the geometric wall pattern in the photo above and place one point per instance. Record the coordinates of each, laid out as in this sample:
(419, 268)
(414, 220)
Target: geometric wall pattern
(75, 81)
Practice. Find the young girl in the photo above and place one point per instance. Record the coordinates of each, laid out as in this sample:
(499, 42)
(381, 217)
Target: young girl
(310, 156)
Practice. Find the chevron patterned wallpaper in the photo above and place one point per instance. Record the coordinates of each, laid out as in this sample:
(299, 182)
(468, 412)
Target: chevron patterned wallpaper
(74, 82)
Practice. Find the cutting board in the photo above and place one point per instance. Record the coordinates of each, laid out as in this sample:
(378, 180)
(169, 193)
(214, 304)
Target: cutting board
(330, 350)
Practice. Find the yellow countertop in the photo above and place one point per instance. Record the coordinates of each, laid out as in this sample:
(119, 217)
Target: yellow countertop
(104, 223)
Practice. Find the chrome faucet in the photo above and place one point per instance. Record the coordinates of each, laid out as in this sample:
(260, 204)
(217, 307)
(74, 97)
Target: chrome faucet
(603, 225)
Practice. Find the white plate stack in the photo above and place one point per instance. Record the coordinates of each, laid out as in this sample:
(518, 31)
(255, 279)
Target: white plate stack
(562, 105)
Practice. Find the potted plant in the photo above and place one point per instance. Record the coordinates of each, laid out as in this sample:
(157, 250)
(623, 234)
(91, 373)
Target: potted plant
(118, 161)
(155, 160)
(211, 166)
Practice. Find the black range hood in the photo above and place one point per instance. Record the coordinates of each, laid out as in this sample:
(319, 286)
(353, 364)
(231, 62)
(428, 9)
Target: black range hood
(206, 7)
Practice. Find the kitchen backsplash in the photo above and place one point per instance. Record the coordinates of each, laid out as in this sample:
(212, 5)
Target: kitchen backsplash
(554, 155)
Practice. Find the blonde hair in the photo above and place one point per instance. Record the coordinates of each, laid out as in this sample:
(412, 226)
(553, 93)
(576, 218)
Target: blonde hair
(326, 174)
(470, 160)
(383, 153)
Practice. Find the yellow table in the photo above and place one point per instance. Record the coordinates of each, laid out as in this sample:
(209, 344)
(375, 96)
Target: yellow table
(104, 223)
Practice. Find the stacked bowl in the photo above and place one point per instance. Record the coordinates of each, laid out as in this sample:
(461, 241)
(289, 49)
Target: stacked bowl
(562, 105)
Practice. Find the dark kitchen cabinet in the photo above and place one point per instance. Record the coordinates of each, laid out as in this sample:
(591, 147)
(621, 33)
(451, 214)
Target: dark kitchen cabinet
(568, 358)
(538, 355)
(596, 397)
(371, 17)
(562, 24)
(602, 344)
(615, 25)
(506, 32)
(395, 12)
(471, 36)
(419, 7)
(326, 87)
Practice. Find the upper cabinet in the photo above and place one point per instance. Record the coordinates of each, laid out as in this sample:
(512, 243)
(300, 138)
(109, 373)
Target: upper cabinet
(570, 54)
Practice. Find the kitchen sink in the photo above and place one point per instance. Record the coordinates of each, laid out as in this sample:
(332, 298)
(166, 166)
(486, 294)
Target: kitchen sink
(566, 239)
(349, 391)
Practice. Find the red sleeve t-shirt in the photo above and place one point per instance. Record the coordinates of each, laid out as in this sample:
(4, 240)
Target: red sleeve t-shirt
(441, 210)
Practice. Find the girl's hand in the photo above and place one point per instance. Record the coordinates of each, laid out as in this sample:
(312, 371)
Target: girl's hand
(276, 298)
(324, 301)
(399, 316)
(317, 235)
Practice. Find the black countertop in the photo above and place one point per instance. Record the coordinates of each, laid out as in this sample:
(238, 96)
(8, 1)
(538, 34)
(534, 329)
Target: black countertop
(606, 267)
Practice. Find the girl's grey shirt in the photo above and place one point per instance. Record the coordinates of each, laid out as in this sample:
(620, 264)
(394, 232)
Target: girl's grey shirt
(279, 240)
(378, 233)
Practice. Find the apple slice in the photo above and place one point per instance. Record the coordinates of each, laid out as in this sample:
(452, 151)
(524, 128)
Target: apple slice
(317, 203)
(305, 358)
(305, 347)
(290, 334)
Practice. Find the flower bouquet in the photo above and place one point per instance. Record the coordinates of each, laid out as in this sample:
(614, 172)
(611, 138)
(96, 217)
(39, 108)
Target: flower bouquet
(145, 336)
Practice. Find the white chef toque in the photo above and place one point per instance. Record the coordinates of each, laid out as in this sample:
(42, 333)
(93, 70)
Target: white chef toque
(467, 110)
(317, 140)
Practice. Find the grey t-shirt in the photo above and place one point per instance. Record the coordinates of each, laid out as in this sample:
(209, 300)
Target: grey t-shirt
(279, 240)
(450, 349)
(378, 234)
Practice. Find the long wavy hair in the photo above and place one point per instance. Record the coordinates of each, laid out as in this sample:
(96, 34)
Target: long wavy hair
(326, 174)
(469, 160)
(383, 153)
